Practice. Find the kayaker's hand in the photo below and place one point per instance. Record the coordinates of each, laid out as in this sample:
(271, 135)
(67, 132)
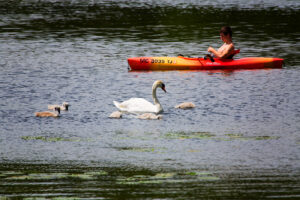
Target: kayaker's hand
(210, 49)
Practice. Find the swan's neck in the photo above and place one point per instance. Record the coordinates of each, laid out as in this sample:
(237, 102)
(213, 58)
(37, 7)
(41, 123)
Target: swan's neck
(156, 102)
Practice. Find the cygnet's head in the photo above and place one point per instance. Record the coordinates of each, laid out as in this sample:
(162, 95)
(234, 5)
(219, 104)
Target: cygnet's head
(66, 105)
(57, 109)
(160, 84)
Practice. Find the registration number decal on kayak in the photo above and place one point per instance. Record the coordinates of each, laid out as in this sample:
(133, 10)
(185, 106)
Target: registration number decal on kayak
(146, 60)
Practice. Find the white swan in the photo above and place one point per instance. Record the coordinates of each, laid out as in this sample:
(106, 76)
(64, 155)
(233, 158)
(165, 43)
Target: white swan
(140, 105)
(186, 105)
(49, 114)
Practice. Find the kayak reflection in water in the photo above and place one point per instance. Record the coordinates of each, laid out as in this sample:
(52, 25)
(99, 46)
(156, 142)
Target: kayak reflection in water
(227, 49)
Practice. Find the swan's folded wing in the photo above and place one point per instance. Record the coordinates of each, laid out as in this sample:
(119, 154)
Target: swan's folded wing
(136, 105)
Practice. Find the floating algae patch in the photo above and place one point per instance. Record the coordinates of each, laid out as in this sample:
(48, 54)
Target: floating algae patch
(53, 139)
(242, 137)
(82, 176)
(52, 198)
(65, 198)
(189, 135)
(97, 173)
(196, 173)
(39, 176)
(9, 173)
(164, 175)
(137, 149)
(266, 137)
(207, 135)
(146, 179)
(208, 178)
(141, 149)
(48, 176)
(169, 177)
(232, 135)
(200, 175)
(89, 175)
(136, 180)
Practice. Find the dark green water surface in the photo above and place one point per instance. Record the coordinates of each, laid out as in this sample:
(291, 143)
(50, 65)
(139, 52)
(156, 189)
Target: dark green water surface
(59, 181)
(240, 142)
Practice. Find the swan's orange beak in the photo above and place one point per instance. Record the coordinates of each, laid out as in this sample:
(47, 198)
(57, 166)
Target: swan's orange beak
(164, 89)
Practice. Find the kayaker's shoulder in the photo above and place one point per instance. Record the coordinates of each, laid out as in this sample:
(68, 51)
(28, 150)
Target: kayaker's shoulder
(231, 46)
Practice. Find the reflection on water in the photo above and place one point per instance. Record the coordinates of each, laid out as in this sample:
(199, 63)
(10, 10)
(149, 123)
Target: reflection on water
(240, 142)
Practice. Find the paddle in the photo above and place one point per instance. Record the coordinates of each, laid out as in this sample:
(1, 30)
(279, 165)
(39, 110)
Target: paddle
(208, 56)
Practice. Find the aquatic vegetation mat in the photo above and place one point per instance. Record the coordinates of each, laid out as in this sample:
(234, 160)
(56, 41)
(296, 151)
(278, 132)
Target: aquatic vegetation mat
(168, 177)
(135, 179)
(54, 139)
(137, 149)
(242, 137)
(188, 135)
(207, 135)
(54, 198)
(80, 181)
(49, 176)
(142, 149)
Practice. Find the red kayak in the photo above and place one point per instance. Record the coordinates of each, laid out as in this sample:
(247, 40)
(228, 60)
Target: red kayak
(183, 63)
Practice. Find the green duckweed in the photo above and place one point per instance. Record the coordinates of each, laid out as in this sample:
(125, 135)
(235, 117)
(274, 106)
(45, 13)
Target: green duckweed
(39, 176)
(137, 149)
(195, 173)
(50, 139)
(182, 135)
(208, 178)
(48, 176)
(54, 198)
(242, 137)
(55, 139)
(142, 149)
(97, 173)
(164, 175)
(189, 135)
(168, 177)
(9, 173)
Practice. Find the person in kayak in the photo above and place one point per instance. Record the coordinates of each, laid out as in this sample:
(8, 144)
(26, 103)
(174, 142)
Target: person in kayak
(227, 49)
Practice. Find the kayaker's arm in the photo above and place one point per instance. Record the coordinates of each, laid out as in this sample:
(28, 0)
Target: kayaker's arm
(223, 54)
(212, 50)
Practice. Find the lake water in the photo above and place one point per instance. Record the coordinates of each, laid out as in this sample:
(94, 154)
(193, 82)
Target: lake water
(240, 142)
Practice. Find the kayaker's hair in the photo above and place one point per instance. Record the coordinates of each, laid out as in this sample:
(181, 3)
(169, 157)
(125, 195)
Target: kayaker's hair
(226, 30)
